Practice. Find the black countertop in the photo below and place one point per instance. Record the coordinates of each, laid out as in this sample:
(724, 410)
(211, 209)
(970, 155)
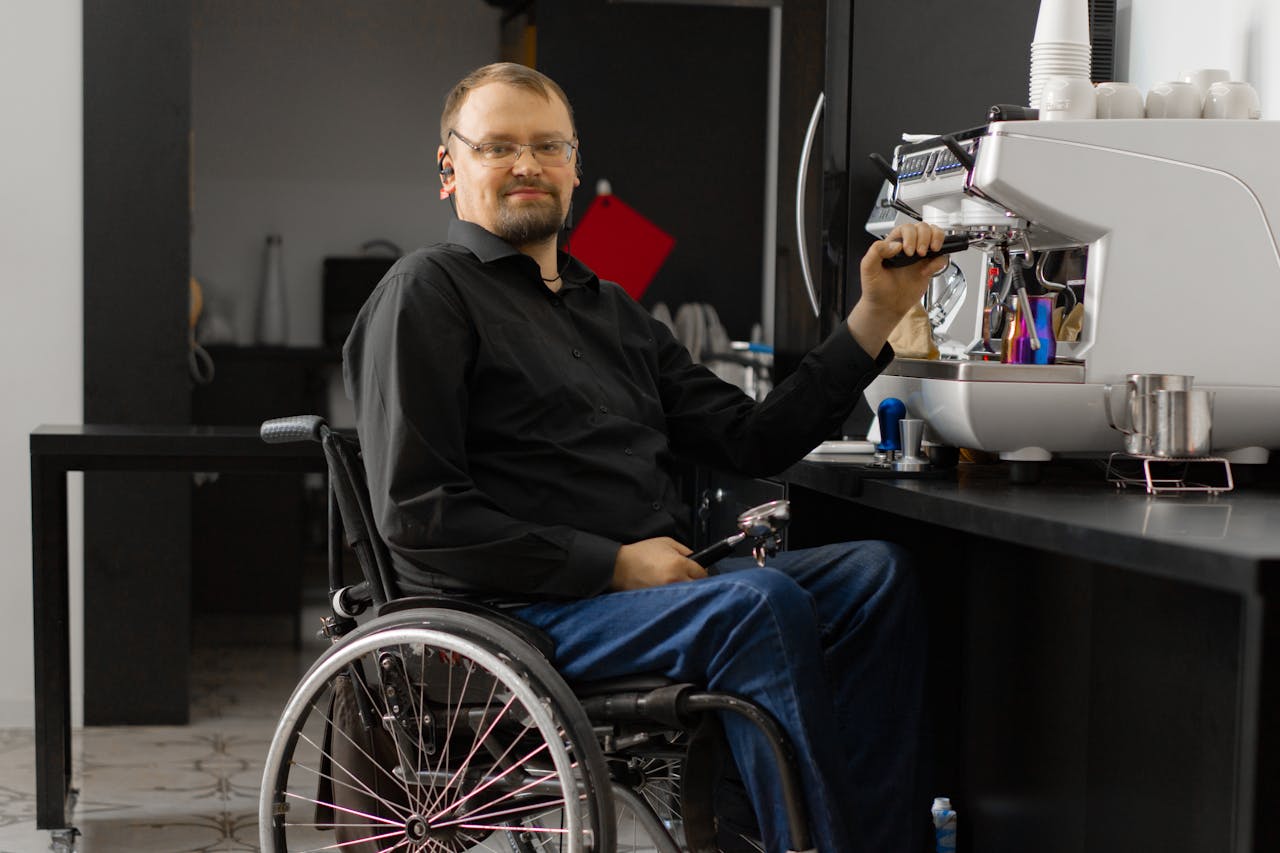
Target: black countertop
(1230, 541)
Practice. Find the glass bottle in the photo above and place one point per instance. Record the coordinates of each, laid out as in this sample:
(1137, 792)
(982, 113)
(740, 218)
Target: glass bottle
(272, 325)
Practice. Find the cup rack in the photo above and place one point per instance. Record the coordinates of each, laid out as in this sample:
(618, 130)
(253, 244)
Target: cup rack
(1169, 475)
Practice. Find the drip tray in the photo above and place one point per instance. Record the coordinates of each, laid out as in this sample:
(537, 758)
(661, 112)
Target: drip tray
(984, 371)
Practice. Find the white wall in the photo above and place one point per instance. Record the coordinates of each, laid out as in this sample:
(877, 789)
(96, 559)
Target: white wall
(319, 121)
(41, 262)
(1166, 37)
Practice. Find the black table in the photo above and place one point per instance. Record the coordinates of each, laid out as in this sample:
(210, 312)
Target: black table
(55, 450)
(1107, 673)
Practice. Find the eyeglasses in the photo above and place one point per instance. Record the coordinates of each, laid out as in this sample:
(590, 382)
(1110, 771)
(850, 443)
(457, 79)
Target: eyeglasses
(499, 155)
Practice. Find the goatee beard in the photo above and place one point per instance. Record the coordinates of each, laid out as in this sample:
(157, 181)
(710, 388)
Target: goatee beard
(530, 222)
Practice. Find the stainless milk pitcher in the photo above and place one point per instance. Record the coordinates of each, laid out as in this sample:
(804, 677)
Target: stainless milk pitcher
(1182, 426)
(1140, 406)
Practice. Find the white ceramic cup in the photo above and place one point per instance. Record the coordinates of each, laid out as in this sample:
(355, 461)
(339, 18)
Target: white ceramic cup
(1203, 78)
(1174, 99)
(1232, 99)
(1067, 98)
(1118, 100)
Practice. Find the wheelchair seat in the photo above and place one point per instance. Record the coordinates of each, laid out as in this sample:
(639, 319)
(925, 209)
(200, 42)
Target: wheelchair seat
(441, 724)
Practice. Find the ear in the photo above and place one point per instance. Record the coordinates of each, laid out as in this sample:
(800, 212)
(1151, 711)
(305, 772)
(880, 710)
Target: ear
(444, 164)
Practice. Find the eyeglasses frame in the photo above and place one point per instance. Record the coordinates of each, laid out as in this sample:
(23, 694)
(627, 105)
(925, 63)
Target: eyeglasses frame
(478, 147)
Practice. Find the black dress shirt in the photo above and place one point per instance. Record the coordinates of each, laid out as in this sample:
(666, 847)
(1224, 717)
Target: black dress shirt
(514, 437)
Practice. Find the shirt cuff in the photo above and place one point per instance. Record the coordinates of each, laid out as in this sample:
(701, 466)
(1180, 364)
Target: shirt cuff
(590, 564)
(847, 363)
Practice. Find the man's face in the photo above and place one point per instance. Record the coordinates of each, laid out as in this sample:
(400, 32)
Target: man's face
(523, 203)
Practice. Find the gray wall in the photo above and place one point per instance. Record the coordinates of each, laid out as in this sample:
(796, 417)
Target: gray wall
(41, 258)
(318, 121)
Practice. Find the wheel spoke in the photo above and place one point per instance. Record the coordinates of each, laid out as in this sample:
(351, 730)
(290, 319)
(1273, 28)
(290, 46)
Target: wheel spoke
(361, 790)
(508, 795)
(541, 806)
(466, 762)
(356, 812)
(546, 829)
(338, 845)
(302, 736)
(435, 798)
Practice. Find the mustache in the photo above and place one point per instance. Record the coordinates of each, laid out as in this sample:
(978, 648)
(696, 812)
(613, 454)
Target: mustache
(530, 184)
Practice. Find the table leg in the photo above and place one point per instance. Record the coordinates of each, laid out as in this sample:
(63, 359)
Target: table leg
(52, 642)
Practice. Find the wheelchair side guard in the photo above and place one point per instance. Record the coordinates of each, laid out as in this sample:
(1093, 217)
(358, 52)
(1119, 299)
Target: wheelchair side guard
(534, 636)
(703, 766)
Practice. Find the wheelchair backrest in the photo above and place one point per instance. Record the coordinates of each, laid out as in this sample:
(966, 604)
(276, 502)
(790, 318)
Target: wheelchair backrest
(350, 491)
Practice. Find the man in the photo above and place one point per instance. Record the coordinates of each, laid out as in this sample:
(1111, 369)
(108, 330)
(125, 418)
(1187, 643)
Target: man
(520, 421)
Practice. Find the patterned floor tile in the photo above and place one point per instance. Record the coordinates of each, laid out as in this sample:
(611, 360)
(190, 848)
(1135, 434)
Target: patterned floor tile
(167, 789)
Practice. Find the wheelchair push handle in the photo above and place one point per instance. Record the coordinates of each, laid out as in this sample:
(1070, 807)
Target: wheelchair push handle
(291, 429)
(762, 525)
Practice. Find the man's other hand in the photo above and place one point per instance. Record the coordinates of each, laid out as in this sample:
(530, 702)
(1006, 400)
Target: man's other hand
(654, 562)
(887, 293)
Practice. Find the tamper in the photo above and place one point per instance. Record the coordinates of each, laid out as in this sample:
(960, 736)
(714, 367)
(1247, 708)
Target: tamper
(912, 434)
(889, 413)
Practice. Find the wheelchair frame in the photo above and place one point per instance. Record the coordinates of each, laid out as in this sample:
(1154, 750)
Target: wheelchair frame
(626, 741)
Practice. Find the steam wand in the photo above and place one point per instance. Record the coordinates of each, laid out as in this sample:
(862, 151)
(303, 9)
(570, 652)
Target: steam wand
(1024, 304)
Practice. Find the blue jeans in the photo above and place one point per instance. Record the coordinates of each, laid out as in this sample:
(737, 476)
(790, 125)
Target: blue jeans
(829, 640)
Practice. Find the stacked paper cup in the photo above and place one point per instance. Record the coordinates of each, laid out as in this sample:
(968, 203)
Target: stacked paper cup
(1061, 45)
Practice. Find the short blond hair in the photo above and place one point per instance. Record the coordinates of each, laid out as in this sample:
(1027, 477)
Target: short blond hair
(511, 73)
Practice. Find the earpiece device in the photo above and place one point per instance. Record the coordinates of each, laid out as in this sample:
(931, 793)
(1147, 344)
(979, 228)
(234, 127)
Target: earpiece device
(446, 172)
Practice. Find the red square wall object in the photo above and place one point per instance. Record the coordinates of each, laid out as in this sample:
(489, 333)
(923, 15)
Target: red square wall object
(620, 245)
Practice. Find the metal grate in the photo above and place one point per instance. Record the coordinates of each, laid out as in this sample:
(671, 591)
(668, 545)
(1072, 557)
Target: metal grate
(1102, 35)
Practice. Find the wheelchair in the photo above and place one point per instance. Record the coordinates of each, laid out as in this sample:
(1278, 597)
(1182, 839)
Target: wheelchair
(440, 725)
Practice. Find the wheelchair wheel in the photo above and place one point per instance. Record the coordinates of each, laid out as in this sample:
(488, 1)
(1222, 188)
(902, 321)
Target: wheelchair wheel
(649, 803)
(641, 829)
(434, 732)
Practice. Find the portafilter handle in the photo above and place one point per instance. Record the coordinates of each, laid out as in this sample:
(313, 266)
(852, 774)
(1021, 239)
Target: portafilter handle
(762, 524)
(950, 244)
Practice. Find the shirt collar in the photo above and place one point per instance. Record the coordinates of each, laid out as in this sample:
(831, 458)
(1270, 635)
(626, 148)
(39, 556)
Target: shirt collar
(489, 247)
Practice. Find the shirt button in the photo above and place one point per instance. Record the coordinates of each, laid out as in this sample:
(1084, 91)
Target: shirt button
(555, 301)
(604, 410)
(657, 507)
(629, 452)
(577, 353)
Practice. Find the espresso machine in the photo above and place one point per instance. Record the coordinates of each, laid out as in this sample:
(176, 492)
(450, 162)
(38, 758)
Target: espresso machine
(1179, 223)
